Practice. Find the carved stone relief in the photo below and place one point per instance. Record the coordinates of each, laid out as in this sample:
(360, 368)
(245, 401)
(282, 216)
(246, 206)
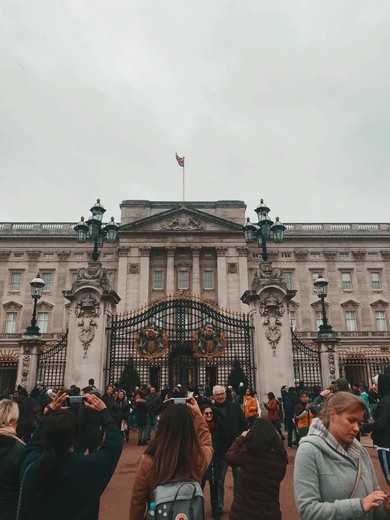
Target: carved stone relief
(87, 310)
(272, 309)
(183, 222)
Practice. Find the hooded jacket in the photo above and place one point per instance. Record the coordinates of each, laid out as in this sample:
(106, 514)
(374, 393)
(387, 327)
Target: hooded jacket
(380, 428)
(10, 458)
(324, 477)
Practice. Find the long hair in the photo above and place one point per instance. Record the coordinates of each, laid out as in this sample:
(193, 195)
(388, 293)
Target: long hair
(262, 438)
(59, 432)
(9, 411)
(341, 402)
(175, 450)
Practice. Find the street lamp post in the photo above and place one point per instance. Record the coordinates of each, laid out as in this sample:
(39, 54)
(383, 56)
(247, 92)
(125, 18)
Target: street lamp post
(95, 229)
(37, 285)
(263, 229)
(321, 287)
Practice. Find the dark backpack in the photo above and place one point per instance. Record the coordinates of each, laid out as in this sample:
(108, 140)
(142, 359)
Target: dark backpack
(177, 499)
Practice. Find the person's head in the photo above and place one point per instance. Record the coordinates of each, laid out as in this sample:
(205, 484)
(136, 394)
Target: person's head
(304, 397)
(263, 437)
(291, 390)
(219, 394)
(341, 385)
(342, 414)
(9, 413)
(249, 391)
(109, 389)
(152, 390)
(175, 449)
(59, 433)
(121, 395)
(284, 389)
(207, 412)
(271, 396)
(91, 382)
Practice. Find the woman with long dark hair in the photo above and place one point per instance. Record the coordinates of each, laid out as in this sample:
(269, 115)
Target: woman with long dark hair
(56, 482)
(262, 460)
(181, 450)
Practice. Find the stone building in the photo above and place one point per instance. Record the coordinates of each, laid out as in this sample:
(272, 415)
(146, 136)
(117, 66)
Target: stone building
(195, 252)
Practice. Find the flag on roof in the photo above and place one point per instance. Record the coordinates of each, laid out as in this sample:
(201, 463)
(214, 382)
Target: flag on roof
(180, 160)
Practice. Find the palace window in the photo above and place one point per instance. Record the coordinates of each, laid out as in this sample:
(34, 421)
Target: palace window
(288, 280)
(47, 278)
(158, 280)
(350, 321)
(42, 321)
(375, 281)
(10, 322)
(182, 280)
(208, 280)
(346, 281)
(319, 321)
(15, 281)
(293, 319)
(380, 319)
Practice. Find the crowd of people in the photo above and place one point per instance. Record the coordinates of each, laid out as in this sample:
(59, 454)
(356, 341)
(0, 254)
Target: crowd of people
(51, 440)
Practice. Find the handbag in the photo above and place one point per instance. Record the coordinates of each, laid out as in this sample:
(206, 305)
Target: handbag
(359, 471)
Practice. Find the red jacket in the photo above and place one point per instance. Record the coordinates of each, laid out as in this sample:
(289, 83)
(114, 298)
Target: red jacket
(273, 409)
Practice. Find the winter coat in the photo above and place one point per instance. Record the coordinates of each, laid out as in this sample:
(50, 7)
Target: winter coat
(304, 422)
(143, 482)
(89, 426)
(81, 480)
(232, 423)
(154, 403)
(273, 409)
(324, 477)
(257, 493)
(250, 406)
(120, 411)
(10, 458)
(141, 409)
(380, 428)
(213, 472)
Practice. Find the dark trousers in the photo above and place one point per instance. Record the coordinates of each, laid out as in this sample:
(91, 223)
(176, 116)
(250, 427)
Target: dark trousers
(213, 493)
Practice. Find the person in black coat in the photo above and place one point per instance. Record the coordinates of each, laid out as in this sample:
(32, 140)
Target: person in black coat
(120, 412)
(55, 481)
(232, 423)
(380, 428)
(213, 472)
(262, 460)
(290, 402)
(11, 451)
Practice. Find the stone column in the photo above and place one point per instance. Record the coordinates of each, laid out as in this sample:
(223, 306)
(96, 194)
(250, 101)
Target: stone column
(144, 275)
(123, 253)
(243, 271)
(273, 357)
(195, 271)
(328, 359)
(221, 275)
(170, 270)
(92, 304)
(28, 361)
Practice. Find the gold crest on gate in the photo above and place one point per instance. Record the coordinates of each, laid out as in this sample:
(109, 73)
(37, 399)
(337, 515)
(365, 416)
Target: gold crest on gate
(209, 342)
(151, 342)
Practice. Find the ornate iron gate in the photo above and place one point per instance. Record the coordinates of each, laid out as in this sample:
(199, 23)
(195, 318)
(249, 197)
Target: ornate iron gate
(307, 363)
(183, 340)
(51, 363)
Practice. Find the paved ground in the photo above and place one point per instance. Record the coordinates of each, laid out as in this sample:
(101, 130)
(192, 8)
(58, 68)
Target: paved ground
(115, 501)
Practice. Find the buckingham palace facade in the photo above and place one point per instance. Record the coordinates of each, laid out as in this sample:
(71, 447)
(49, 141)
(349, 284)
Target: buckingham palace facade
(197, 250)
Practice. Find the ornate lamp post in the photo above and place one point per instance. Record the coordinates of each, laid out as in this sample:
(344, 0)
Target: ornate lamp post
(321, 287)
(264, 229)
(37, 285)
(95, 229)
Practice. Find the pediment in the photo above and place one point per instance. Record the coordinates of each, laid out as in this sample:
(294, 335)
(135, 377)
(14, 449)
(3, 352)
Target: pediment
(379, 304)
(351, 304)
(183, 219)
(12, 306)
(44, 305)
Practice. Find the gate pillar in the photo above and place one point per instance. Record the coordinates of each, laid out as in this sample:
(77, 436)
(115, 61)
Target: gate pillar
(92, 304)
(267, 299)
(28, 360)
(328, 359)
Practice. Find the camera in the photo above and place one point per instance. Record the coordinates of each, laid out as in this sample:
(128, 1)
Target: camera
(179, 400)
(74, 399)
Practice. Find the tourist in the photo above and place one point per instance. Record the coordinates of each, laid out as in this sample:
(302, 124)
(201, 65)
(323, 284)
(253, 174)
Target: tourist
(333, 475)
(303, 414)
(250, 406)
(120, 412)
(154, 403)
(181, 450)
(213, 472)
(56, 482)
(11, 450)
(232, 423)
(273, 413)
(262, 460)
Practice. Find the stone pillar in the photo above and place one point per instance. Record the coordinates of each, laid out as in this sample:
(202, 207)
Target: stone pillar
(221, 274)
(273, 357)
(243, 271)
(123, 253)
(328, 359)
(92, 304)
(195, 271)
(170, 270)
(28, 361)
(144, 275)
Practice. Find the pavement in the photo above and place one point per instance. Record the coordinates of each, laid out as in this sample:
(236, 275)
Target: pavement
(115, 501)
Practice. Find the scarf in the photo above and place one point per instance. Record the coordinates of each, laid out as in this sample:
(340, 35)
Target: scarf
(211, 425)
(353, 449)
(9, 431)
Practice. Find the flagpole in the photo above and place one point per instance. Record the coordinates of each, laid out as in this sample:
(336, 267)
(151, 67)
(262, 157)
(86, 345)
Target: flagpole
(183, 179)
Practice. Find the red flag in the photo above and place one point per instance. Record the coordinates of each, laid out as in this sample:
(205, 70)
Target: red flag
(180, 160)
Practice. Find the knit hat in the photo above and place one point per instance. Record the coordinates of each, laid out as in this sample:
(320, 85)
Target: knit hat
(342, 384)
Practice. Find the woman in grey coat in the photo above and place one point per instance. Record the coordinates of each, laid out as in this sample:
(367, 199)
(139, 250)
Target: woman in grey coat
(327, 481)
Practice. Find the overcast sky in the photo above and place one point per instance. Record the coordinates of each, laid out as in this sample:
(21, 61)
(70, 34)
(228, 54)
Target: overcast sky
(286, 100)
